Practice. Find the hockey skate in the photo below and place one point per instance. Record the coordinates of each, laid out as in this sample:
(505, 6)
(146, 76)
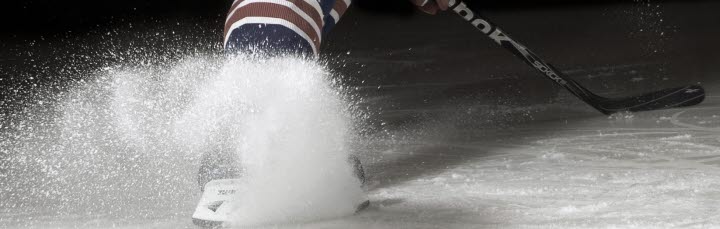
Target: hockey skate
(220, 178)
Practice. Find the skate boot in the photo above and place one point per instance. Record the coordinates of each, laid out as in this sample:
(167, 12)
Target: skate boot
(219, 178)
(359, 172)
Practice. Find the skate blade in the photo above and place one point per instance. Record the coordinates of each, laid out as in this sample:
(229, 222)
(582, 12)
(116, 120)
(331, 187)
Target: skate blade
(364, 205)
(214, 209)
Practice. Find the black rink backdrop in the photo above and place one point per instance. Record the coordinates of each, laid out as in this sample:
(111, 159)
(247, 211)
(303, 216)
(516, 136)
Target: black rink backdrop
(32, 18)
(40, 36)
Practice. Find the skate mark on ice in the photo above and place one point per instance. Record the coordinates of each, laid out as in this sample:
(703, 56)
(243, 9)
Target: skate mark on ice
(657, 150)
(420, 161)
(675, 120)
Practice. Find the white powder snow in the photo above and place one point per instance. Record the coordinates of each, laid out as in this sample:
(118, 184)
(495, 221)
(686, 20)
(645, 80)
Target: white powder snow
(291, 130)
(126, 142)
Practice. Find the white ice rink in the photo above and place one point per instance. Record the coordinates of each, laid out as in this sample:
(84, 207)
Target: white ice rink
(654, 169)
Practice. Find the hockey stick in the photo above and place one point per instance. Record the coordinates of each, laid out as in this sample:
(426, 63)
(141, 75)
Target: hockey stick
(667, 98)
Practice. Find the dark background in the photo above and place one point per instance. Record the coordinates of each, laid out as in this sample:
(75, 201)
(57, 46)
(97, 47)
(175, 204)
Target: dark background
(45, 44)
(32, 18)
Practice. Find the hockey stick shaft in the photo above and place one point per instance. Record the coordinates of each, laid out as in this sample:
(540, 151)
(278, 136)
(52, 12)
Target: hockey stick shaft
(662, 99)
(500, 37)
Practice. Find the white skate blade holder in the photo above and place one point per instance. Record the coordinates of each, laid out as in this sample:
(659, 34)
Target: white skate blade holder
(214, 208)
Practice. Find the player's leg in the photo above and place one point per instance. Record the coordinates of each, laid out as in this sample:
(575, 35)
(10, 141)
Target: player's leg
(270, 27)
(334, 10)
(265, 28)
(275, 26)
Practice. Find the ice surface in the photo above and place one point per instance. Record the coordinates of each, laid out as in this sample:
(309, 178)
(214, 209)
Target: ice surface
(588, 173)
(655, 169)
(121, 150)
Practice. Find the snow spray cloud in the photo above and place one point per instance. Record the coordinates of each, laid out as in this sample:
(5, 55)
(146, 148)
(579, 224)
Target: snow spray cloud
(290, 128)
(86, 122)
(106, 146)
(127, 141)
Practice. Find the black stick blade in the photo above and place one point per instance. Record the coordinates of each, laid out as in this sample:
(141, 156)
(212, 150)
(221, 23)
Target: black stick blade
(663, 99)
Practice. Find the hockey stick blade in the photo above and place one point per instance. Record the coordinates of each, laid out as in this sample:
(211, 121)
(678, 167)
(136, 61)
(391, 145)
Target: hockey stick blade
(663, 99)
(668, 98)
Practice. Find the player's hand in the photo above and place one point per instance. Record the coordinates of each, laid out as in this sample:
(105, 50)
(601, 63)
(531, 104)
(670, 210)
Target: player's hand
(431, 6)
